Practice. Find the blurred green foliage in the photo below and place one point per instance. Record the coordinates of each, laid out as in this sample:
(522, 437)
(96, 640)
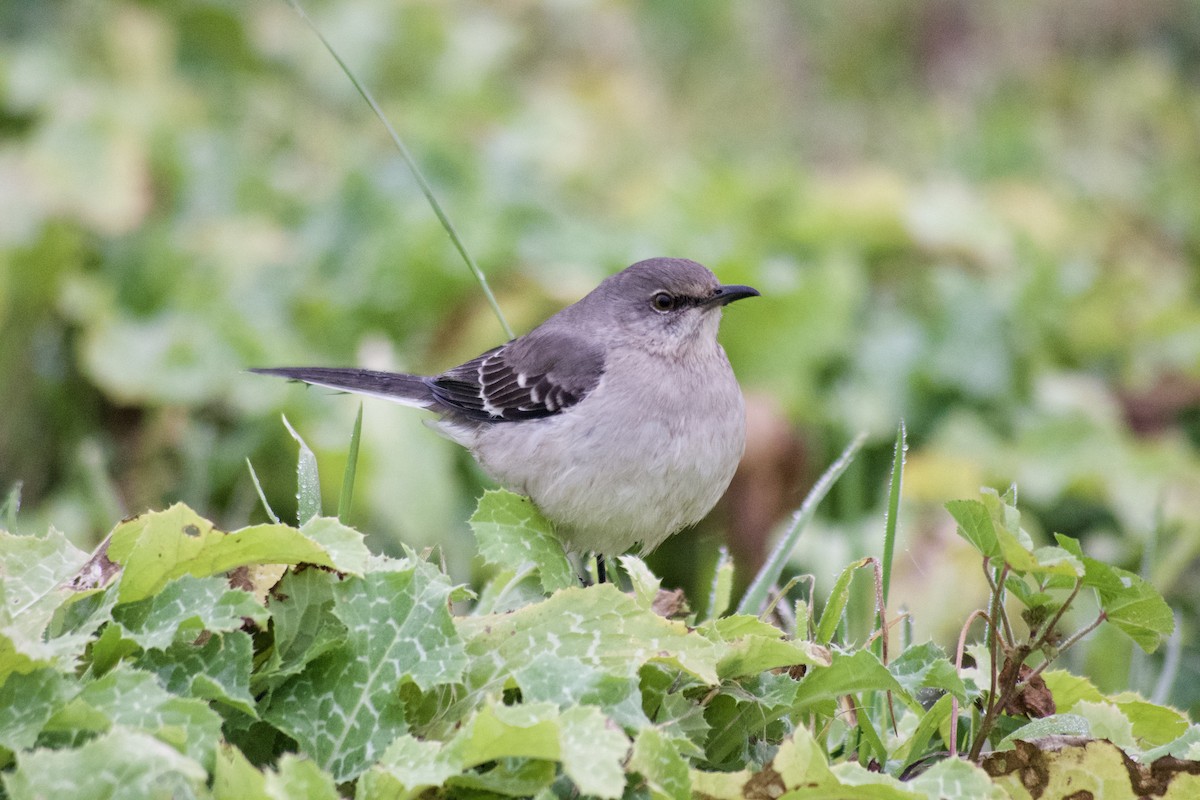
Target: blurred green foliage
(979, 217)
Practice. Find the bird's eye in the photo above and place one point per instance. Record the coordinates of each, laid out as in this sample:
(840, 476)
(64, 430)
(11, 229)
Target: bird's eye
(662, 302)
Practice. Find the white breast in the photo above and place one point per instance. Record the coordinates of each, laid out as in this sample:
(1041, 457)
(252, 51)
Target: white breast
(627, 467)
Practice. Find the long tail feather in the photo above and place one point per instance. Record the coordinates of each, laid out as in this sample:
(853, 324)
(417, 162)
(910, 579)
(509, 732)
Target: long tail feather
(411, 390)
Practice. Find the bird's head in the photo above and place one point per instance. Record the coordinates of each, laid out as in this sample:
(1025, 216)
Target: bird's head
(669, 304)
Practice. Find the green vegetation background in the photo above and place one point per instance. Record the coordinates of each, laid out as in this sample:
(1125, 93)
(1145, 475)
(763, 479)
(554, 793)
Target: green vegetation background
(983, 218)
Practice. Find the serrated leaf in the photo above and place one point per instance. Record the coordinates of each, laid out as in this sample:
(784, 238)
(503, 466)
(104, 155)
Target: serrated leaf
(750, 646)
(303, 623)
(156, 547)
(345, 546)
(665, 772)
(343, 708)
(847, 674)
(134, 699)
(600, 626)
(646, 584)
(32, 566)
(217, 669)
(120, 765)
(184, 608)
(567, 682)
(235, 778)
(27, 701)
(975, 525)
(925, 666)
(513, 534)
(1153, 725)
(593, 751)
(580, 738)
(1130, 603)
(407, 769)
(955, 779)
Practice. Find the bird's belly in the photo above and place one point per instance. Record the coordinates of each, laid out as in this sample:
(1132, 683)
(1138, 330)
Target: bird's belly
(607, 485)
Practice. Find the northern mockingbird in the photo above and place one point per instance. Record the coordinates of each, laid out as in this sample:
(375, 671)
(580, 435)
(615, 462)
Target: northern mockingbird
(619, 416)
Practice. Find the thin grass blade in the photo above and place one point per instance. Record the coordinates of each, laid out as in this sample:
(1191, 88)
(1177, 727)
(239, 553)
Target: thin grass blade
(426, 189)
(769, 574)
(261, 494)
(308, 482)
(351, 467)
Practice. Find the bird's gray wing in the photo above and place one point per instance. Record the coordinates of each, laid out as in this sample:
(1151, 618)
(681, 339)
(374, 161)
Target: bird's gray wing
(538, 375)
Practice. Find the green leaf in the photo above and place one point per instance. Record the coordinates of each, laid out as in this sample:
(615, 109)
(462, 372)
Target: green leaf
(235, 778)
(656, 758)
(218, 669)
(593, 751)
(513, 534)
(956, 779)
(835, 606)
(1053, 725)
(303, 623)
(600, 626)
(925, 666)
(33, 566)
(133, 699)
(568, 682)
(1130, 603)
(120, 765)
(159, 546)
(308, 480)
(343, 708)
(344, 545)
(975, 525)
(756, 595)
(186, 607)
(720, 595)
(347, 494)
(529, 730)
(847, 674)
(801, 761)
(27, 701)
(750, 646)
(407, 769)
(645, 583)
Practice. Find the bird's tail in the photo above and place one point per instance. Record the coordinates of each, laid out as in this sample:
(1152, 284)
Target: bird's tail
(410, 390)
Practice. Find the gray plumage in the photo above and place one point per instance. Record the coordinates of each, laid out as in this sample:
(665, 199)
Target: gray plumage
(619, 416)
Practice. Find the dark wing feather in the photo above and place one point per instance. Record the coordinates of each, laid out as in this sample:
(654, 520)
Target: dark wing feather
(536, 376)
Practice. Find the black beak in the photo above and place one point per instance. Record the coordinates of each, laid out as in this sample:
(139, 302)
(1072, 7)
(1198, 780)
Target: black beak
(727, 294)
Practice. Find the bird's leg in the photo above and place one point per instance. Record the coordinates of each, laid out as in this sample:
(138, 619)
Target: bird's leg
(600, 576)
